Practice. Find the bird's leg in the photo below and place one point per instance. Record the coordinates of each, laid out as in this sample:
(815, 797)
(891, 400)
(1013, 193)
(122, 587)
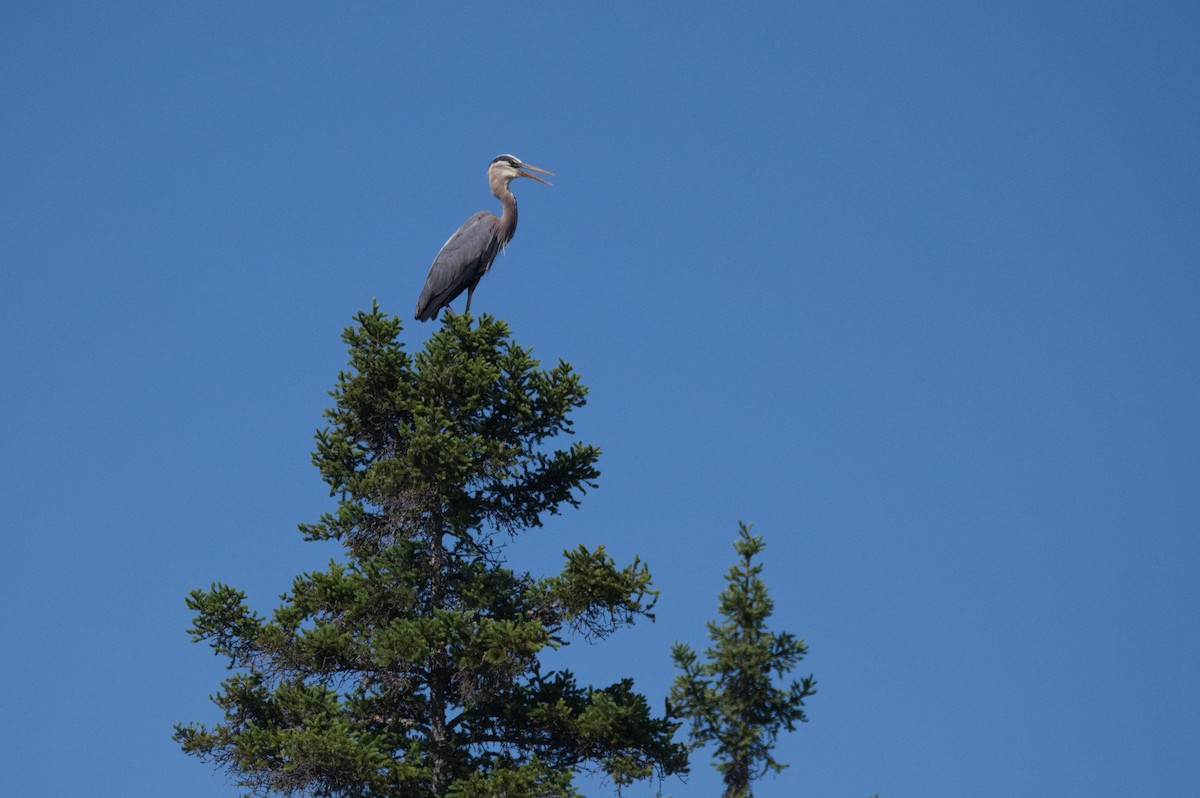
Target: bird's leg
(470, 291)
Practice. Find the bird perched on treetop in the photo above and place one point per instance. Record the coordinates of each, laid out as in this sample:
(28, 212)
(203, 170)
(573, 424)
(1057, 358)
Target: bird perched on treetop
(469, 253)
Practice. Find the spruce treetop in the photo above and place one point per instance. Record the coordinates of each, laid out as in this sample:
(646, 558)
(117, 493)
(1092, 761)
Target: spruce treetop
(413, 666)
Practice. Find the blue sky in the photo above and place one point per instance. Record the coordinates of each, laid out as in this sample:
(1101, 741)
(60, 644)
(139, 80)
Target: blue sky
(911, 287)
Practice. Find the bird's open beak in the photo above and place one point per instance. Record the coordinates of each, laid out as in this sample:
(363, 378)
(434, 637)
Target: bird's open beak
(523, 173)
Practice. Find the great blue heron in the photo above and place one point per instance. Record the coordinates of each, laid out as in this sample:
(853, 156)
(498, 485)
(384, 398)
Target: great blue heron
(469, 253)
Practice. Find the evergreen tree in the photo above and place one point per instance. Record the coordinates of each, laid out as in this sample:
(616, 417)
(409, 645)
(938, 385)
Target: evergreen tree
(730, 698)
(412, 667)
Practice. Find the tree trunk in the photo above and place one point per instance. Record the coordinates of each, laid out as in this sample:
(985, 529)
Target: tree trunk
(438, 670)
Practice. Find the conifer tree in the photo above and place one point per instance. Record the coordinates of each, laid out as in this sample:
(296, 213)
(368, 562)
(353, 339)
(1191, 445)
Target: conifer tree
(731, 698)
(412, 666)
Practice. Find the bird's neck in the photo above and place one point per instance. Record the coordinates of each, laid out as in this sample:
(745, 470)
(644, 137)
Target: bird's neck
(508, 218)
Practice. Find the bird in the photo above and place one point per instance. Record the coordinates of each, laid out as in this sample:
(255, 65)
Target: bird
(467, 256)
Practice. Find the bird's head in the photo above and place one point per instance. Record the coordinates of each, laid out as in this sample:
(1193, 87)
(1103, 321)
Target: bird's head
(506, 168)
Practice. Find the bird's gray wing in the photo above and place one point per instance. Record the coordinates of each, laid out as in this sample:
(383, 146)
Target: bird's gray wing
(460, 263)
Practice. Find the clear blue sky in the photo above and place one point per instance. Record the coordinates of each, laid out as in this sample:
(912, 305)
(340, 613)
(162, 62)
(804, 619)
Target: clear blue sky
(912, 287)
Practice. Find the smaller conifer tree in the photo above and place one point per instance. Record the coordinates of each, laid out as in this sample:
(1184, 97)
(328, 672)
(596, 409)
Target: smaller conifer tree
(731, 698)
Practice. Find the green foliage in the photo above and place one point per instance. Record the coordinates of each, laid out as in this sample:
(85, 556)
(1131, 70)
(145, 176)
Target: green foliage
(412, 668)
(730, 698)
(450, 439)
